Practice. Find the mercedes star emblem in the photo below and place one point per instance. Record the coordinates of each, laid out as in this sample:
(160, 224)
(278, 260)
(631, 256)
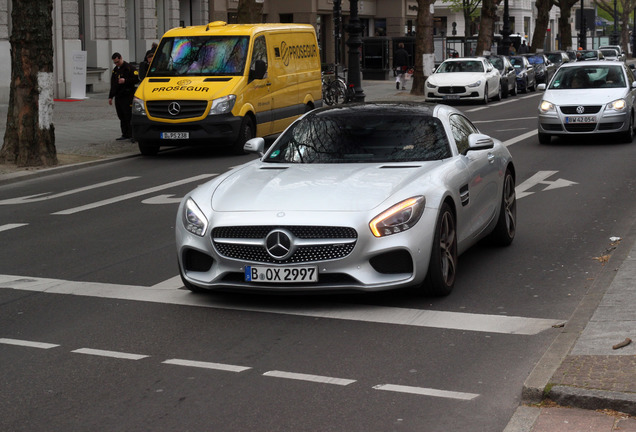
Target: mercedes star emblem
(174, 108)
(279, 244)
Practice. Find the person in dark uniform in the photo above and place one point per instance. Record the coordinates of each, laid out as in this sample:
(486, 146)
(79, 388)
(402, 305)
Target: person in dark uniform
(122, 88)
(145, 64)
(400, 63)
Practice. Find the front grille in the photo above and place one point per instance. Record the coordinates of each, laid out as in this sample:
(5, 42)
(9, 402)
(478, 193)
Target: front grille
(452, 90)
(584, 127)
(187, 109)
(588, 109)
(343, 242)
(551, 127)
(610, 126)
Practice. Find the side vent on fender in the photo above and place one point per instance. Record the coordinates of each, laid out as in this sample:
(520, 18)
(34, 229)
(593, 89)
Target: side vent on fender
(464, 195)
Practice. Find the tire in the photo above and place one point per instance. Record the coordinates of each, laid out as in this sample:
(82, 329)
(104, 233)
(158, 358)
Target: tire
(485, 100)
(247, 131)
(534, 86)
(442, 267)
(525, 87)
(192, 288)
(514, 89)
(628, 135)
(148, 148)
(506, 227)
(499, 97)
(505, 92)
(544, 138)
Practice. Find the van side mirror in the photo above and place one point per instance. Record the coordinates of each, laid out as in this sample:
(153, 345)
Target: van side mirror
(260, 69)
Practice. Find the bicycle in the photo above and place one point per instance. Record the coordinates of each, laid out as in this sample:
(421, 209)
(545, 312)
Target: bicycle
(335, 89)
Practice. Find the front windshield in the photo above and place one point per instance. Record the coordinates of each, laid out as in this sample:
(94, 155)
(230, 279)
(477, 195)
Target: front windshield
(554, 58)
(496, 62)
(348, 137)
(609, 53)
(200, 55)
(588, 77)
(517, 62)
(535, 60)
(460, 66)
(589, 55)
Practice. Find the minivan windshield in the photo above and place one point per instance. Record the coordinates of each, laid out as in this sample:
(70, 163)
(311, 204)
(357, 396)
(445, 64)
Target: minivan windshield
(200, 55)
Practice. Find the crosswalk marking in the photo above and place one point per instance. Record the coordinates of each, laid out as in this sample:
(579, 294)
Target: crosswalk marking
(353, 312)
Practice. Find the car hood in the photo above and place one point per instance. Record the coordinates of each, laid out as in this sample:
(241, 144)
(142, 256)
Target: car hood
(314, 187)
(584, 96)
(456, 78)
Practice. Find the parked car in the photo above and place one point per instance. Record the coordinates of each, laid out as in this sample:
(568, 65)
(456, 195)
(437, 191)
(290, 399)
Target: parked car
(526, 80)
(464, 78)
(543, 68)
(610, 54)
(618, 48)
(558, 57)
(589, 55)
(595, 97)
(418, 184)
(508, 75)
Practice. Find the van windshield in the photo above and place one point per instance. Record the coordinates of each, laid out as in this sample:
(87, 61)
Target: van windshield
(200, 55)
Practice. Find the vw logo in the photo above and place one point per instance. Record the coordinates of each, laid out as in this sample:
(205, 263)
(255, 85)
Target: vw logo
(174, 108)
(580, 109)
(279, 244)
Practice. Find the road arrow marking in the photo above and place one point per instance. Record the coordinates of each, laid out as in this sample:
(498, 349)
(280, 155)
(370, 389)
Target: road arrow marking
(540, 178)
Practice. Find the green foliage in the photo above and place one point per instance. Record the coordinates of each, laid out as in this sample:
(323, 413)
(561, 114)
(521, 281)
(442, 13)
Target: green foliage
(470, 6)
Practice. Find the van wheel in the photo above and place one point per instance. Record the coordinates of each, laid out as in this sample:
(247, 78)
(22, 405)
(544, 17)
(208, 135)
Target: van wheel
(148, 148)
(247, 131)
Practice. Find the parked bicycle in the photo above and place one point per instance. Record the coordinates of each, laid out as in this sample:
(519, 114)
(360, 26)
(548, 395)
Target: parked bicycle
(335, 89)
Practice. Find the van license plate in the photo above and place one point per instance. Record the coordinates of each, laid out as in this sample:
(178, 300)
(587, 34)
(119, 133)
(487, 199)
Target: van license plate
(175, 135)
(281, 274)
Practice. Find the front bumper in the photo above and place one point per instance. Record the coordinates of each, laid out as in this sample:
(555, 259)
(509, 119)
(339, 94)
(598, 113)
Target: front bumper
(454, 93)
(560, 123)
(223, 128)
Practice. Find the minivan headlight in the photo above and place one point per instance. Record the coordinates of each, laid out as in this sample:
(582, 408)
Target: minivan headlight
(138, 107)
(194, 220)
(223, 105)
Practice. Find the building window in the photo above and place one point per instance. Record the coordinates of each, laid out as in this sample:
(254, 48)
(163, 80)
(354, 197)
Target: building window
(380, 27)
(286, 18)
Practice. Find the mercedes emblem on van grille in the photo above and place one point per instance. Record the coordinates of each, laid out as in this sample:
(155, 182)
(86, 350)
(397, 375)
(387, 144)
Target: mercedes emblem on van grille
(279, 244)
(174, 108)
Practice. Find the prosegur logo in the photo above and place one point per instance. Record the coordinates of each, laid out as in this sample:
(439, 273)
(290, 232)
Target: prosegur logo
(297, 52)
(182, 85)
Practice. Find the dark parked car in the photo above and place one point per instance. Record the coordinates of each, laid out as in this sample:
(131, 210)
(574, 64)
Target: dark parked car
(544, 69)
(558, 57)
(526, 79)
(508, 75)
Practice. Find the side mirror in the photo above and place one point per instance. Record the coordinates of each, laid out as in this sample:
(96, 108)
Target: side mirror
(541, 87)
(477, 141)
(260, 69)
(255, 145)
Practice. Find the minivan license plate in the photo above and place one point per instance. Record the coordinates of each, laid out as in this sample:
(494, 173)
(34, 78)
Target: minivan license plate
(175, 135)
(281, 274)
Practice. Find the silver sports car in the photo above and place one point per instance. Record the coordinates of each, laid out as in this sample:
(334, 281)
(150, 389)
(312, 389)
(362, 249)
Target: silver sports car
(358, 197)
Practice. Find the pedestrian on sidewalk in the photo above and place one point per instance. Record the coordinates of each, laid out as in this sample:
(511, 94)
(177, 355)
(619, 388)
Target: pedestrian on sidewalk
(122, 87)
(400, 65)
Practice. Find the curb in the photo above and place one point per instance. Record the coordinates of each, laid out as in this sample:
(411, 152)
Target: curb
(593, 399)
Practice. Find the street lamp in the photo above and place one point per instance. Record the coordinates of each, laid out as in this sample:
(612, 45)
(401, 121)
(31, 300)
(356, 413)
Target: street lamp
(505, 32)
(615, 34)
(583, 35)
(337, 24)
(355, 43)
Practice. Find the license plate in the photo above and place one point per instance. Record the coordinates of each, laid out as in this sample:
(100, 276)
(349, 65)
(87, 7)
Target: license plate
(451, 97)
(580, 119)
(175, 135)
(281, 274)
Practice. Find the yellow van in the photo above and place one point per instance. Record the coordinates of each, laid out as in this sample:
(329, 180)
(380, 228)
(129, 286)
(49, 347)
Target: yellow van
(222, 84)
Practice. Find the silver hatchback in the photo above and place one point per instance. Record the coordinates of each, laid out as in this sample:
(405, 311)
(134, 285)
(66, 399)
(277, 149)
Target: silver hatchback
(588, 98)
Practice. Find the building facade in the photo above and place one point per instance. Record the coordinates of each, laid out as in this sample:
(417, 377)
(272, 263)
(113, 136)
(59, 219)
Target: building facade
(130, 27)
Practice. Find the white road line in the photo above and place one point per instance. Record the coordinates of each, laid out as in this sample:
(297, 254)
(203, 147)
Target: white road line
(133, 194)
(46, 196)
(504, 120)
(113, 354)
(312, 378)
(365, 313)
(519, 138)
(426, 391)
(26, 343)
(206, 365)
(8, 227)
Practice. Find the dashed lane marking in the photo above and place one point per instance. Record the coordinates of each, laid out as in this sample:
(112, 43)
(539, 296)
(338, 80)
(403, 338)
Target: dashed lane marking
(311, 378)
(426, 391)
(113, 354)
(206, 365)
(8, 227)
(26, 343)
(502, 324)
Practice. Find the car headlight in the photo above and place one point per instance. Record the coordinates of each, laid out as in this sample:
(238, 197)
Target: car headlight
(546, 107)
(138, 107)
(475, 84)
(194, 220)
(430, 85)
(222, 105)
(521, 75)
(398, 218)
(617, 105)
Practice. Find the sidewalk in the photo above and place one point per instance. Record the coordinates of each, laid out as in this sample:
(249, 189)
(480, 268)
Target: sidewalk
(580, 368)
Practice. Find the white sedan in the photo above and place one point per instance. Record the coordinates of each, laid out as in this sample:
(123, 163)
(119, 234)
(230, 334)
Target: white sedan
(464, 79)
(359, 197)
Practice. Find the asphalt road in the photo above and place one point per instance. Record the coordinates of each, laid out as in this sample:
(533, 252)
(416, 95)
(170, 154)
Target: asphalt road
(98, 333)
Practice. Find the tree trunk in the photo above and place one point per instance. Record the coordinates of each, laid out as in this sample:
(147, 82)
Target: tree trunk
(29, 138)
(423, 44)
(249, 12)
(541, 26)
(486, 25)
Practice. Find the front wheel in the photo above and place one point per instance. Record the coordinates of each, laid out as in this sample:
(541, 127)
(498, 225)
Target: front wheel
(442, 266)
(506, 227)
(628, 135)
(485, 101)
(148, 148)
(246, 132)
